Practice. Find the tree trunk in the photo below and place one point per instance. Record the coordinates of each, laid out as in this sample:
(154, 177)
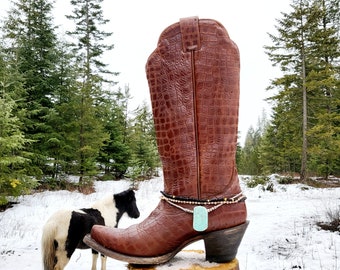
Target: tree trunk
(303, 173)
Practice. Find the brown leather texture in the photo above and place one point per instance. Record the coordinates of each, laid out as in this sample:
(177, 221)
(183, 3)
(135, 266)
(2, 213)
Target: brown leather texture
(164, 230)
(195, 101)
(193, 77)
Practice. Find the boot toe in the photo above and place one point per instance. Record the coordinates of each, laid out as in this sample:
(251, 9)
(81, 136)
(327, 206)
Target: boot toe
(104, 236)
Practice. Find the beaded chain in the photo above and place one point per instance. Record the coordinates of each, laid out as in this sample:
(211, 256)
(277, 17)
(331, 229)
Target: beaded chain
(217, 202)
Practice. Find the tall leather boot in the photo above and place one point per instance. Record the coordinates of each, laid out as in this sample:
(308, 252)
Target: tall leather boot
(193, 77)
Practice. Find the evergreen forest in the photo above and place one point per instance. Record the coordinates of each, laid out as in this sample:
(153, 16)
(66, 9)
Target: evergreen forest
(61, 110)
(63, 114)
(302, 135)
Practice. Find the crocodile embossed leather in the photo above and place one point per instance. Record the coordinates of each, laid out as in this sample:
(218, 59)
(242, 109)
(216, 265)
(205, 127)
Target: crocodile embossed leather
(193, 77)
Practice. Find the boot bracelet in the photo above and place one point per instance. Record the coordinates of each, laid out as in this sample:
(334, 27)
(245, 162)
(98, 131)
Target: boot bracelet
(200, 213)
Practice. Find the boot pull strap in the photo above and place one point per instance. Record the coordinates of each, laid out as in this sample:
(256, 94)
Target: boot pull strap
(190, 34)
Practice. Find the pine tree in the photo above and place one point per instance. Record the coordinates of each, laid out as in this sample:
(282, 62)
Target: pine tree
(30, 38)
(145, 158)
(62, 146)
(250, 162)
(89, 39)
(89, 47)
(324, 84)
(280, 150)
(115, 156)
(14, 160)
(298, 50)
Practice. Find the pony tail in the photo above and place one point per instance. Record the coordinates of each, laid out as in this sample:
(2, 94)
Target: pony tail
(49, 246)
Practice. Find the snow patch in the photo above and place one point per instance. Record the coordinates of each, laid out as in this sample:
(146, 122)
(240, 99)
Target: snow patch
(281, 235)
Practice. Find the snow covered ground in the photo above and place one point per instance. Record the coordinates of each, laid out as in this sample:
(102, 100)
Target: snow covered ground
(282, 233)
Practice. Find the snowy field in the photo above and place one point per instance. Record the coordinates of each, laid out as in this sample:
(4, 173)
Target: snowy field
(282, 233)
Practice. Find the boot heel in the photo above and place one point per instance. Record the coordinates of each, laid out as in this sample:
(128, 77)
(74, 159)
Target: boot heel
(221, 246)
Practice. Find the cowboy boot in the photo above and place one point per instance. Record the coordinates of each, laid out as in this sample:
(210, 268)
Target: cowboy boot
(193, 77)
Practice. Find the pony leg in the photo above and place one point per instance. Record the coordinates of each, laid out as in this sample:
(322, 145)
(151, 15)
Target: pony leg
(94, 259)
(62, 259)
(103, 259)
(61, 264)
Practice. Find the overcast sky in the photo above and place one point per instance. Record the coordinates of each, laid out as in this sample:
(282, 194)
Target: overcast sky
(137, 24)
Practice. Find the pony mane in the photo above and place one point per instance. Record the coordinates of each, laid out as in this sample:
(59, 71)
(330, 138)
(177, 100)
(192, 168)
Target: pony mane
(107, 200)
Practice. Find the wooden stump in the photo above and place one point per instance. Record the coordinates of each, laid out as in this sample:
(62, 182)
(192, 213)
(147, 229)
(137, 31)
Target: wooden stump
(233, 265)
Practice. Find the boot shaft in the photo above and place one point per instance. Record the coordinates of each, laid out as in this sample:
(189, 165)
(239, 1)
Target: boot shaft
(193, 78)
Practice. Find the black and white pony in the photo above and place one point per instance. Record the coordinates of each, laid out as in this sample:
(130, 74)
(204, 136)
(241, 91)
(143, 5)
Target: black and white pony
(65, 230)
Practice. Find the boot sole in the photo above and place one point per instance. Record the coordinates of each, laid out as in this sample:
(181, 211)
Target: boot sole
(220, 247)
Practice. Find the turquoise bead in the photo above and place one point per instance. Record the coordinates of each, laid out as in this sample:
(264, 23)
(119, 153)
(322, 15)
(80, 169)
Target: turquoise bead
(200, 219)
